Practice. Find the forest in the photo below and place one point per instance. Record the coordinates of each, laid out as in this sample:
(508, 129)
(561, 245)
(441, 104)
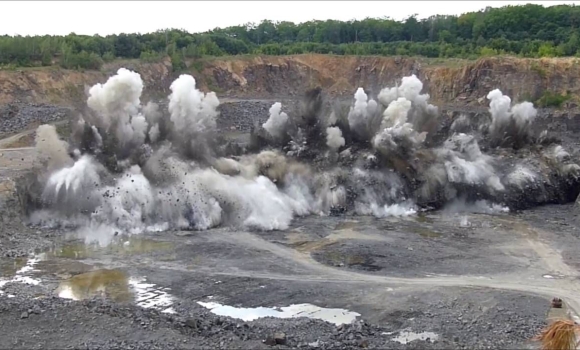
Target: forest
(524, 30)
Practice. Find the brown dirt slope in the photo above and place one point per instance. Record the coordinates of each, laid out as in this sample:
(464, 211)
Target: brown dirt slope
(55, 85)
(447, 81)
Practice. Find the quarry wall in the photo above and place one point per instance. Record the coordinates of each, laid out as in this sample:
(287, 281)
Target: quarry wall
(448, 81)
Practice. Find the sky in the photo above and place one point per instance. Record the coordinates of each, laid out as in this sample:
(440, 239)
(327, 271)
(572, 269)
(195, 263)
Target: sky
(114, 17)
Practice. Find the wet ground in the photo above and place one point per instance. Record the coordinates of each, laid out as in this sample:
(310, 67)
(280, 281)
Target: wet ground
(458, 280)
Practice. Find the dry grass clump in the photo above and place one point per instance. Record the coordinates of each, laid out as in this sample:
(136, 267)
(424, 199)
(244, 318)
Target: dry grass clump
(560, 335)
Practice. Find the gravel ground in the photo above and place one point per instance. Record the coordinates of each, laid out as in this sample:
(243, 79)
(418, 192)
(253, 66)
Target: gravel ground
(476, 319)
(17, 116)
(241, 116)
(18, 239)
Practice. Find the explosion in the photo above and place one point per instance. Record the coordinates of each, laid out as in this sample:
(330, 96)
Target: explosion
(134, 167)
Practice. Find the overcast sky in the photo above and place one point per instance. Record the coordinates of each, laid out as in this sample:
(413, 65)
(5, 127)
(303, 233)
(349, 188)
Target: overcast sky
(113, 17)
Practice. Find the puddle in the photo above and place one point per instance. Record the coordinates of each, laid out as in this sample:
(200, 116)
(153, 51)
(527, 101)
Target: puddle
(150, 296)
(113, 284)
(126, 246)
(117, 286)
(110, 283)
(405, 337)
(20, 275)
(336, 316)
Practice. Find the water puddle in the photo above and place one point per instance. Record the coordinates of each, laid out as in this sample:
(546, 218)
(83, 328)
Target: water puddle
(22, 267)
(117, 286)
(336, 316)
(112, 284)
(150, 296)
(406, 337)
(80, 281)
(126, 246)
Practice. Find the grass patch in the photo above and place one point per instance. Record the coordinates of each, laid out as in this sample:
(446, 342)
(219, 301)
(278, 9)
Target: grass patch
(552, 99)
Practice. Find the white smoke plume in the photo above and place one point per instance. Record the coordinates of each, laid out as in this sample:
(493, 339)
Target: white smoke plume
(116, 104)
(561, 160)
(460, 168)
(119, 97)
(510, 126)
(423, 115)
(364, 115)
(192, 111)
(193, 117)
(334, 139)
(522, 177)
(72, 189)
(466, 164)
(397, 135)
(277, 122)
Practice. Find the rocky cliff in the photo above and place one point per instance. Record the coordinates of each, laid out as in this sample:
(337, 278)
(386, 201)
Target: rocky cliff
(447, 81)
(450, 82)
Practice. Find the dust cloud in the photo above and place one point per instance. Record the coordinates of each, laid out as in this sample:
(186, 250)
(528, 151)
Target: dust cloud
(131, 166)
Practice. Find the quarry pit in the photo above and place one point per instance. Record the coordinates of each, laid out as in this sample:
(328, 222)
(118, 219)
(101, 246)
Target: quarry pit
(465, 272)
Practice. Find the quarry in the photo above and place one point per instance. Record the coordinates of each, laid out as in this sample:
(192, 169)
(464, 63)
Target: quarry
(307, 201)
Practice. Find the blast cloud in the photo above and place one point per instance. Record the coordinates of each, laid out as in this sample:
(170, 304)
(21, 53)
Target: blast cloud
(277, 122)
(51, 151)
(131, 167)
(510, 126)
(334, 139)
(364, 116)
(192, 112)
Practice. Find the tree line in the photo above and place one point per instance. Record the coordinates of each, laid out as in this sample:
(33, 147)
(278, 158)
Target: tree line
(525, 30)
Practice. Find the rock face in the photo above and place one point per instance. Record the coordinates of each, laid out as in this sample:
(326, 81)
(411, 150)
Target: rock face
(449, 82)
